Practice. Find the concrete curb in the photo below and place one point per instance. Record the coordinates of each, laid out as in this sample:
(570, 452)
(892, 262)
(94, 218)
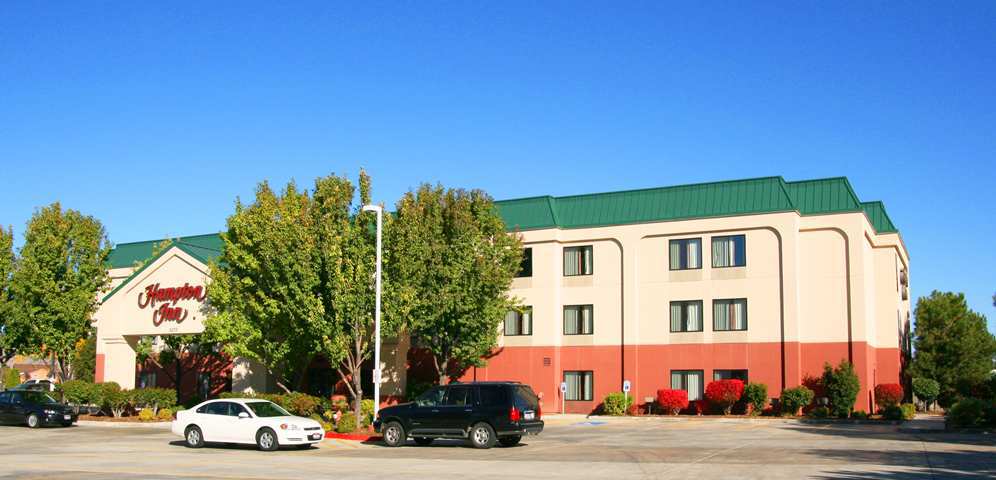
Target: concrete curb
(91, 423)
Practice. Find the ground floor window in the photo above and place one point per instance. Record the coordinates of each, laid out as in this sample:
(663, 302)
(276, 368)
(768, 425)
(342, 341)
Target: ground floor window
(729, 375)
(689, 381)
(580, 386)
(204, 385)
(147, 380)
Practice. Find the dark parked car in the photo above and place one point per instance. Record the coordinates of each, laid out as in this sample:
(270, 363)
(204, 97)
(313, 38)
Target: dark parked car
(34, 409)
(483, 412)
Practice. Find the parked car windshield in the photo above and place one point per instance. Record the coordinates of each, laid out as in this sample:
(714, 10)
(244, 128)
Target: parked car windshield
(267, 409)
(32, 396)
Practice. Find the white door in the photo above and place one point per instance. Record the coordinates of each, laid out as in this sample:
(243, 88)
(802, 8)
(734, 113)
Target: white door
(243, 429)
(216, 423)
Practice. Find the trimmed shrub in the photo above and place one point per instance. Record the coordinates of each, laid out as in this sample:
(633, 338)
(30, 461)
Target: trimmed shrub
(794, 399)
(926, 389)
(756, 396)
(616, 403)
(724, 393)
(820, 412)
(367, 412)
(888, 394)
(78, 393)
(672, 401)
(347, 423)
(113, 399)
(968, 412)
(859, 415)
(146, 415)
(328, 426)
(165, 414)
(909, 411)
(153, 398)
(892, 412)
(301, 404)
(841, 387)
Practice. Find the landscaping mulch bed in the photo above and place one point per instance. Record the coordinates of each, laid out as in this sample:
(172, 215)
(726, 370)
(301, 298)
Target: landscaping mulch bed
(104, 418)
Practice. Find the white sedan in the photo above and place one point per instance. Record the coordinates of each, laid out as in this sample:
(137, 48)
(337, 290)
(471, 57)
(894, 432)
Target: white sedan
(245, 420)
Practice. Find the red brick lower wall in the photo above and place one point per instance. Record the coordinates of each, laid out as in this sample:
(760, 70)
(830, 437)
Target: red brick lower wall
(648, 367)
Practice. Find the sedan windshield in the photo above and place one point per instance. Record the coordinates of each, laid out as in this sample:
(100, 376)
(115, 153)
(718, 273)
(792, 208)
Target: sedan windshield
(267, 409)
(37, 397)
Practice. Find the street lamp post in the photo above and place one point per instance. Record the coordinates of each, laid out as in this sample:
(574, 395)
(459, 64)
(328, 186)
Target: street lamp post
(376, 372)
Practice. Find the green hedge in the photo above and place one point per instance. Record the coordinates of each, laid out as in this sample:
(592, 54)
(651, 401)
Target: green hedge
(300, 404)
(795, 398)
(968, 412)
(616, 403)
(347, 423)
(756, 395)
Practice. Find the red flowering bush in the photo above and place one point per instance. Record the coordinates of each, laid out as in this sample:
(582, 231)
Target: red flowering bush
(672, 401)
(888, 394)
(724, 393)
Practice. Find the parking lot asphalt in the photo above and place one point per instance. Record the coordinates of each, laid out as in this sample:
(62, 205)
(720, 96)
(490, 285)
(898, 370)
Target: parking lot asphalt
(571, 447)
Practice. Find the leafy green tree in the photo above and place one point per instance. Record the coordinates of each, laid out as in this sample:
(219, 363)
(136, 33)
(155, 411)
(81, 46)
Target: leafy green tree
(952, 345)
(266, 287)
(842, 386)
(60, 271)
(454, 263)
(10, 341)
(84, 361)
(926, 389)
(346, 245)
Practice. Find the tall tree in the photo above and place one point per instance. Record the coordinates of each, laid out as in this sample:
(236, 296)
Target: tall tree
(265, 286)
(455, 263)
(346, 239)
(10, 339)
(60, 271)
(952, 344)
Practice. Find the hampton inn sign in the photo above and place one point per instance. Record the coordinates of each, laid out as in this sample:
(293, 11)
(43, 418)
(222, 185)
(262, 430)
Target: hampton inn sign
(169, 297)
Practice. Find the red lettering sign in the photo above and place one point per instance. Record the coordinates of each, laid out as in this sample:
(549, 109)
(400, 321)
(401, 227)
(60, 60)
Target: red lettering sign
(169, 297)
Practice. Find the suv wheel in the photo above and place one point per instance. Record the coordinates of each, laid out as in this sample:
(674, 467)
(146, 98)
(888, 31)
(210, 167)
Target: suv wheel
(482, 436)
(510, 441)
(394, 434)
(423, 441)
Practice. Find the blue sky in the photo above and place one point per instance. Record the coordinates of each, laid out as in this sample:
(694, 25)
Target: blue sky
(155, 118)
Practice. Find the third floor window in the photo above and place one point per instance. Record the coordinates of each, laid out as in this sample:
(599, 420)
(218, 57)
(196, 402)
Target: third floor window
(729, 251)
(577, 261)
(686, 254)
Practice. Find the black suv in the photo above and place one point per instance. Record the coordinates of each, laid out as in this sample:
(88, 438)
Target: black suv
(483, 412)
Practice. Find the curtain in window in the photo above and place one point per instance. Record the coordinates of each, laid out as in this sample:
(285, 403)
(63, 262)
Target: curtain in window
(586, 266)
(676, 381)
(675, 317)
(572, 261)
(694, 384)
(675, 255)
(738, 317)
(694, 312)
(586, 320)
(720, 315)
(570, 321)
(722, 252)
(527, 322)
(511, 319)
(694, 253)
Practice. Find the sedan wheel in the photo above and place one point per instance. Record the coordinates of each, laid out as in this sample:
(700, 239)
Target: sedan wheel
(33, 421)
(266, 440)
(194, 437)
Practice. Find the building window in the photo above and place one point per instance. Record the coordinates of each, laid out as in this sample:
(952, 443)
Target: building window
(729, 314)
(686, 254)
(689, 381)
(526, 267)
(519, 322)
(577, 261)
(204, 385)
(729, 251)
(579, 319)
(147, 380)
(580, 386)
(686, 316)
(730, 375)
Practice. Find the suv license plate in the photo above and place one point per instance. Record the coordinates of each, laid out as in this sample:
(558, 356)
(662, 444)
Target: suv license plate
(529, 415)
(66, 417)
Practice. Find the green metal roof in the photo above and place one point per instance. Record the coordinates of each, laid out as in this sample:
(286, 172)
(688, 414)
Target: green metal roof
(879, 218)
(202, 247)
(701, 200)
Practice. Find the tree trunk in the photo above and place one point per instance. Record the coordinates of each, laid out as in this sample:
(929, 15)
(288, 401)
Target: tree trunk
(358, 399)
(177, 377)
(441, 370)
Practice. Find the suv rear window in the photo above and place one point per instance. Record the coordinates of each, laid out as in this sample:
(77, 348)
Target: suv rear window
(525, 398)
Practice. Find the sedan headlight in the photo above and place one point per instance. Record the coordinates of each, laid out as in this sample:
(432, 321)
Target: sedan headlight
(50, 412)
(284, 426)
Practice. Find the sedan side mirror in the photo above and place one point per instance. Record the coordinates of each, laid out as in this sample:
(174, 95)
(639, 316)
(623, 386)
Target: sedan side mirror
(243, 415)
